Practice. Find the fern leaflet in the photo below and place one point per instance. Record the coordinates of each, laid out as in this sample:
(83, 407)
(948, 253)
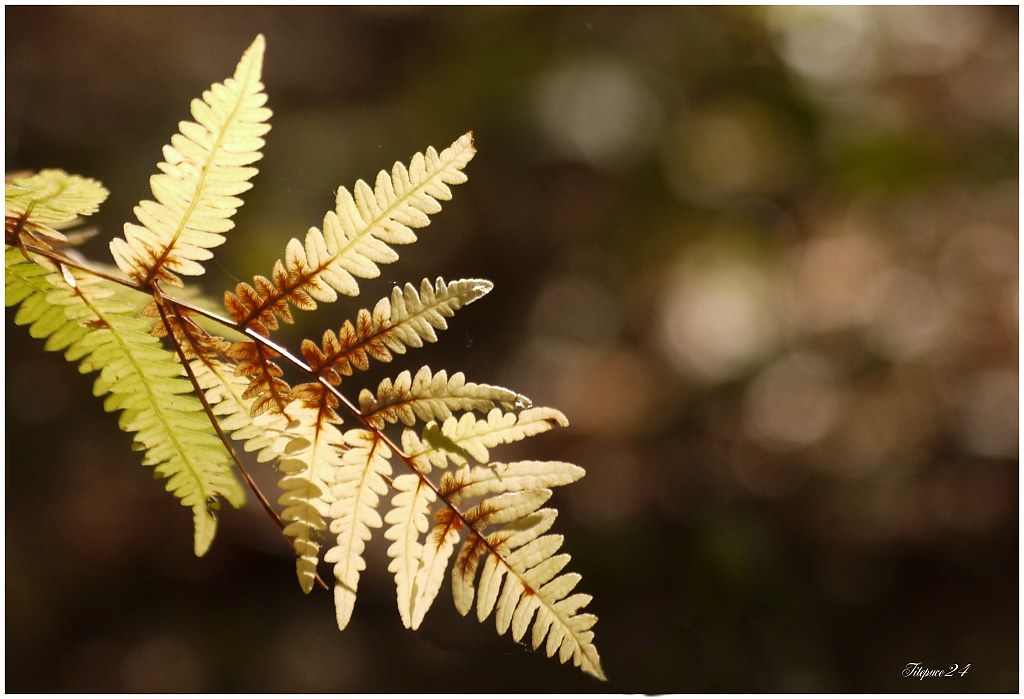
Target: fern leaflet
(356, 237)
(83, 316)
(40, 204)
(205, 168)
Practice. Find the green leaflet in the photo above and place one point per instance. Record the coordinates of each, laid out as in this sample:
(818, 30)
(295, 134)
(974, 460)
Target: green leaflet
(50, 199)
(91, 324)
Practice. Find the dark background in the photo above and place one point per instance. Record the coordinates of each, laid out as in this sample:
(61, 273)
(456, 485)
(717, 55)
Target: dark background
(765, 260)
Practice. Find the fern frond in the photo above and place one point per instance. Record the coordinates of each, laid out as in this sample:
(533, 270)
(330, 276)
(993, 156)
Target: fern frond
(437, 550)
(465, 439)
(206, 166)
(39, 204)
(429, 396)
(408, 318)
(309, 468)
(357, 489)
(408, 519)
(185, 408)
(82, 316)
(526, 562)
(475, 481)
(356, 237)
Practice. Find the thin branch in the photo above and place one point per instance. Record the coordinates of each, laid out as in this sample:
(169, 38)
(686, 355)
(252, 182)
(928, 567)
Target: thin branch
(55, 256)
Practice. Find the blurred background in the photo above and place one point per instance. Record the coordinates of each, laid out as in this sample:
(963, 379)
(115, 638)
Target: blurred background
(764, 259)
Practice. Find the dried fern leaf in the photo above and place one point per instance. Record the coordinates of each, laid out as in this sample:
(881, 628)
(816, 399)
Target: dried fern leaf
(428, 396)
(468, 438)
(205, 167)
(475, 481)
(528, 565)
(254, 362)
(356, 237)
(304, 445)
(408, 318)
(359, 484)
(437, 550)
(82, 316)
(39, 204)
(309, 469)
(408, 519)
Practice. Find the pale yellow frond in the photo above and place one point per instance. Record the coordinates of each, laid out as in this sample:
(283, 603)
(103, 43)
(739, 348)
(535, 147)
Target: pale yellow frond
(305, 447)
(355, 239)
(206, 166)
(531, 590)
(357, 490)
(409, 318)
(466, 439)
(309, 468)
(408, 520)
(428, 396)
(437, 550)
(474, 481)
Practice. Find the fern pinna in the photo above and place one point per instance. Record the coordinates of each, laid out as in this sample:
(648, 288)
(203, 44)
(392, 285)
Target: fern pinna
(412, 458)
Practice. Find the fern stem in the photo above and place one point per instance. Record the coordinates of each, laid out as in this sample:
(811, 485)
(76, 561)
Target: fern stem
(60, 259)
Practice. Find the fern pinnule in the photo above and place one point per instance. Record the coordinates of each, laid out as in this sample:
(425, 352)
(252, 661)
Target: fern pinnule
(408, 518)
(428, 396)
(359, 484)
(356, 237)
(206, 166)
(467, 438)
(408, 318)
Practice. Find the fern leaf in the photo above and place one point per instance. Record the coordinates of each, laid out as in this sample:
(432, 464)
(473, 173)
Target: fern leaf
(83, 316)
(470, 482)
(468, 561)
(304, 444)
(356, 492)
(39, 204)
(309, 469)
(469, 438)
(429, 396)
(409, 318)
(356, 237)
(527, 564)
(206, 166)
(437, 550)
(255, 363)
(408, 520)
